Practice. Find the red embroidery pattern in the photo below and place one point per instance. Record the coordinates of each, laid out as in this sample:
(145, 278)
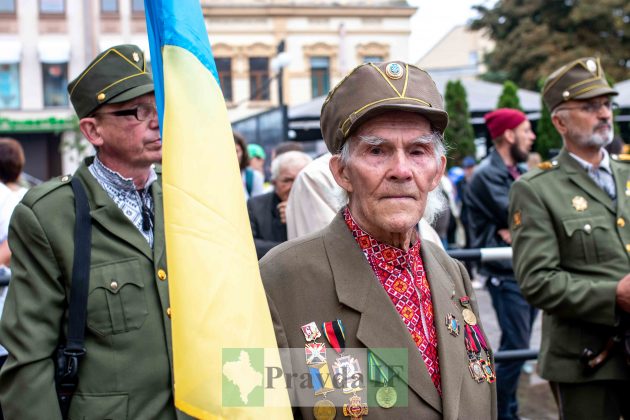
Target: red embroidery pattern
(402, 276)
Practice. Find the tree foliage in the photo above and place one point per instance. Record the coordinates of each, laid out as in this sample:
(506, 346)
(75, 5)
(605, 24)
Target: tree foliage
(535, 37)
(509, 97)
(459, 134)
(547, 137)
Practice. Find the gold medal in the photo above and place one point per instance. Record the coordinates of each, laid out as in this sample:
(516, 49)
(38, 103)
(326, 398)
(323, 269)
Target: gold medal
(324, 410)
(579, 203)
(356, 409)
(469, 316)
(386, 396)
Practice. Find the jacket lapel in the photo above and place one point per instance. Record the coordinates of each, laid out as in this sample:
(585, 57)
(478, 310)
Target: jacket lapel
(380, 326)
(159, 244)
(580, 178)
(451, 350)
(107, 214)
(621, 172)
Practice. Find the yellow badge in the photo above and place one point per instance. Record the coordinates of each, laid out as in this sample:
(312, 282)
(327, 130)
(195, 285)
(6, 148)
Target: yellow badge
(545, 165)
(579, 203)
(517, 219)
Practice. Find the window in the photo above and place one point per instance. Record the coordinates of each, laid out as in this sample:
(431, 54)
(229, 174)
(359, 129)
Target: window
(7, 6)
(320, 76)
(137, 6)
(372, 59)
(55, 83)
(9, 86)
(224, 68)
(52, 6)
(259, 78)
(109, 6)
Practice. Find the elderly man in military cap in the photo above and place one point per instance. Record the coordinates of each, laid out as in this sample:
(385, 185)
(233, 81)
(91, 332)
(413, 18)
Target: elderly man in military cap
(367, 282)
(571, 239)
(126, 369)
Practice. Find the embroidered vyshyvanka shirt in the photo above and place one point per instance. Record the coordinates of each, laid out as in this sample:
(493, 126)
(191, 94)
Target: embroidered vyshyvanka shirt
(403, 277)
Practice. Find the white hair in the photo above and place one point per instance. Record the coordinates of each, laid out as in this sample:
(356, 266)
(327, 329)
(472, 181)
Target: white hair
(292, 157)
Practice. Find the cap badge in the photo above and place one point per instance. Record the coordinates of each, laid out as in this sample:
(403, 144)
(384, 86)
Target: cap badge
(566, 94)
(136, 57)
(394, 71)
(591, 66)
(101, 97)
(579, 203)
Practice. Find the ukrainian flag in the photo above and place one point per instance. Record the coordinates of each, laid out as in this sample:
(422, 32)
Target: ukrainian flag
(218, 303)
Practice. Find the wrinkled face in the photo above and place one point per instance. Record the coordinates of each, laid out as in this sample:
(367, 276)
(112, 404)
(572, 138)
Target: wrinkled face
(392, 166)
(286, 176)
(523, 140)
(123, 141)
(588, 123)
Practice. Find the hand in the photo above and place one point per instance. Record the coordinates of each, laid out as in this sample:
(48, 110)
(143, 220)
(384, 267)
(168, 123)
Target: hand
(505, 235)
(623, 293)
(282, 209)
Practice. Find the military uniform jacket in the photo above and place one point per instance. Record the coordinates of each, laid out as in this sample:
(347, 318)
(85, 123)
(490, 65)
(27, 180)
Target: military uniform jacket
(571, 246)
(126, 373)
(325, 276)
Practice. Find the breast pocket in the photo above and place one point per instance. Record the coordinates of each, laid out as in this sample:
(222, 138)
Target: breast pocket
(116, 301)
(590, 239)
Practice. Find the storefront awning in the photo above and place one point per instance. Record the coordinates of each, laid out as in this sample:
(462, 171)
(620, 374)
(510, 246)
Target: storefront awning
(10, 51)
(54, 50)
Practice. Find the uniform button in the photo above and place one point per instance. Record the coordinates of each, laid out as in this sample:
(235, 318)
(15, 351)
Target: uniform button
(621, 222)
(628, 247)
(168, 311)
(65, 178)
(587, 228)
(161, 274)
(114, 285)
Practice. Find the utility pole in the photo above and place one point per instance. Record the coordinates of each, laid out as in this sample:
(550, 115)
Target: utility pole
(281, 105)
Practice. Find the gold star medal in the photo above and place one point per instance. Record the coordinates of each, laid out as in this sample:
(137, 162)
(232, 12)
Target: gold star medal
(579, 203)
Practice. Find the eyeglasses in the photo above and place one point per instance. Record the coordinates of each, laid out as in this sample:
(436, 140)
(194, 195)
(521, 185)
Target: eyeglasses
(593, 107)
(142, 112)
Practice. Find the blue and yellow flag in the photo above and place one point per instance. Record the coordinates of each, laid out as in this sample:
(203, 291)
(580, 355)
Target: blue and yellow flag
(222, 330)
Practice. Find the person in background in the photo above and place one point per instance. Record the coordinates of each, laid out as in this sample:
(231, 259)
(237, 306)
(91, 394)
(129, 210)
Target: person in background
(11, 165)
(487, 204)
(253, 181)
(267, 212)
(570, 224)
(257, 158)
(286, 146)
(468, 164)
(533, 160)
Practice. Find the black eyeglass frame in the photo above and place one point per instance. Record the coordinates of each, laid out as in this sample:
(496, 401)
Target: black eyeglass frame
(151, 111)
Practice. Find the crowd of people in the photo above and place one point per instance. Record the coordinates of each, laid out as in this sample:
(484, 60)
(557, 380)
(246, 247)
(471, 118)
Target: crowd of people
(353, 242)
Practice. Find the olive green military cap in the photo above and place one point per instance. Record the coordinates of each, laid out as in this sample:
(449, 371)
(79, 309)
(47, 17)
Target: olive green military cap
(116, 75)
(583, 78)
(374, 88)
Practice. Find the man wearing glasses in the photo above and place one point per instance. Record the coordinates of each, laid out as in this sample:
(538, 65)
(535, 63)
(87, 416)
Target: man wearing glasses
(126, 370)
(570, 225)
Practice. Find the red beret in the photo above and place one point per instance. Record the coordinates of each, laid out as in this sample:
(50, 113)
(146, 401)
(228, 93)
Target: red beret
(503, 119)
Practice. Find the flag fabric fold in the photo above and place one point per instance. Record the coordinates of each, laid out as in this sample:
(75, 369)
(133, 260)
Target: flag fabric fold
(217, 298)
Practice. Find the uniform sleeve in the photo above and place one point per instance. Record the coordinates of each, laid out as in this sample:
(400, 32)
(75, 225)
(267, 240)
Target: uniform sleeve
(31, 322)
(538, 269)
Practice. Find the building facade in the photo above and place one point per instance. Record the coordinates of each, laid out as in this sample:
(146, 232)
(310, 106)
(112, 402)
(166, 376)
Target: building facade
(46, 43)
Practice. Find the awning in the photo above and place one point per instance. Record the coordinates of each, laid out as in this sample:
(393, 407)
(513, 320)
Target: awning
(54, 50)
(10, 51)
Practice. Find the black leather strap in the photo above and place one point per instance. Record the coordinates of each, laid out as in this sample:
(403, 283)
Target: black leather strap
(77, 311)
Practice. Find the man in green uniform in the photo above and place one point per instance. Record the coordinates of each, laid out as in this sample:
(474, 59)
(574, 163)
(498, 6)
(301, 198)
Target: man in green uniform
(570, 223)
(126, 372)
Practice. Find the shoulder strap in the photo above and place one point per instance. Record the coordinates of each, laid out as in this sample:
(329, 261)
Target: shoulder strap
(68, 356)
(249, 180)
(77, 311)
